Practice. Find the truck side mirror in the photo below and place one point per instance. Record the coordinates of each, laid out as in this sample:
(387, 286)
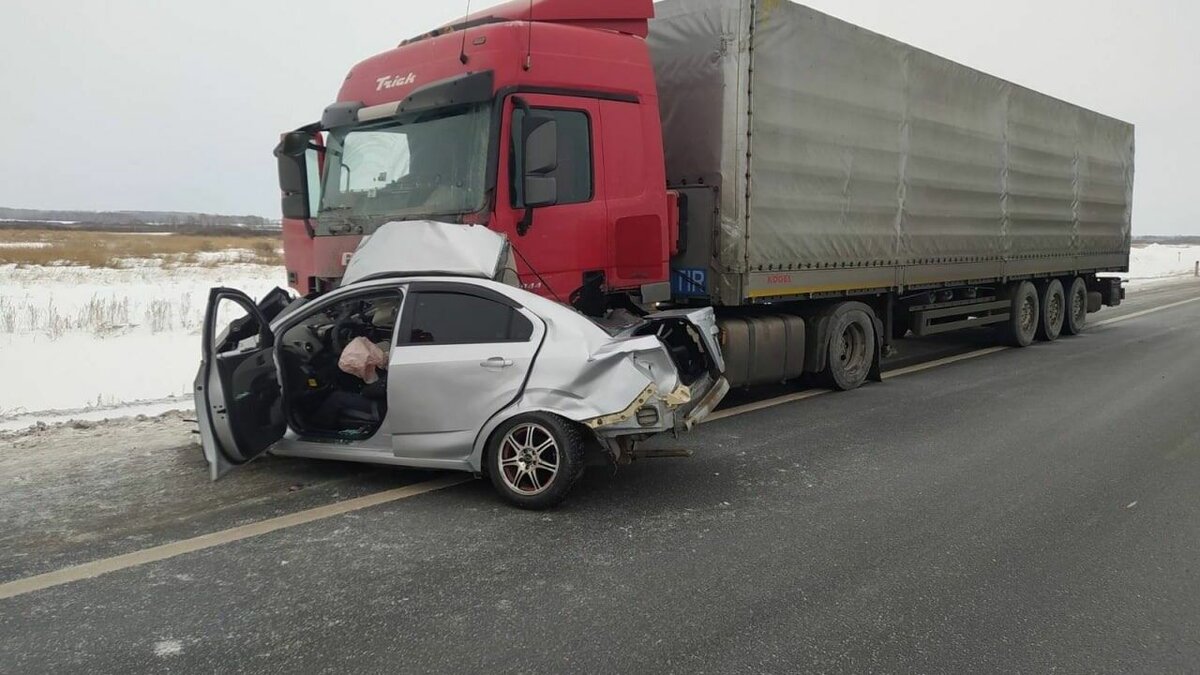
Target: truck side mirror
(297, 159)
(540, 143)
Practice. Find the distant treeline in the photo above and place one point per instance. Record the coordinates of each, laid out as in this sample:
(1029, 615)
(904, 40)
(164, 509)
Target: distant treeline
(134, 221)
(1173, 240)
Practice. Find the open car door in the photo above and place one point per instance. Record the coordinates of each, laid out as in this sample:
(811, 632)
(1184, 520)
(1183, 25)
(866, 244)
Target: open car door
(239, 404)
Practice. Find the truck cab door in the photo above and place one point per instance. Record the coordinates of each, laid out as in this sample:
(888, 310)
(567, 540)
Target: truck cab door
(239, 403)
(569, 238)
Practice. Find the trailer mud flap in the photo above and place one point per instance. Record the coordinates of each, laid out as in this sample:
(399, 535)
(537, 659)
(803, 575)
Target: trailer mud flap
(876, 372)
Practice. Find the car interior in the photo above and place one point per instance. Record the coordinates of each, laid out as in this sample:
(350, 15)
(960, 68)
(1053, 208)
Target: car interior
(321, 399)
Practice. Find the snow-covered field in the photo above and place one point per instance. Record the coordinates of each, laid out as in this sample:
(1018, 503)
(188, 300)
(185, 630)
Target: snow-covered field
(1159, 262)
(76, 341)
(84, 343)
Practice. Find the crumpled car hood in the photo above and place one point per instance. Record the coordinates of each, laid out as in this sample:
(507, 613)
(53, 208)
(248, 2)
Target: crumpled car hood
(426, 247)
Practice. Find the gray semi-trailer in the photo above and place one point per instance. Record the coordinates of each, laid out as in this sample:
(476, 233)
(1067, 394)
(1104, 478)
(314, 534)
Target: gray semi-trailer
(840, 189)
(827, 189)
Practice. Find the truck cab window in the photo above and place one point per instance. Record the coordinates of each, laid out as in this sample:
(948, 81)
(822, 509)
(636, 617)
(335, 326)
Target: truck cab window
(574, 172)
(440, 318)
(429, 166)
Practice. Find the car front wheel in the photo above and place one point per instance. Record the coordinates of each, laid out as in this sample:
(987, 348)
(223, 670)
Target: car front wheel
(535, 459)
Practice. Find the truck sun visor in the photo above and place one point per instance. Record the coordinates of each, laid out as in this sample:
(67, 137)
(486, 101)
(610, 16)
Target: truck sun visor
(458, 90)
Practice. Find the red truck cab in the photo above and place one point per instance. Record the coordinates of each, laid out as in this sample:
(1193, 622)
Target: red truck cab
(438, 128)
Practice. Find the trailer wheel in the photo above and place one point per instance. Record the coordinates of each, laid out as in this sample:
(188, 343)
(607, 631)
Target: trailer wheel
(1054, 308)
(535, 459)
(1022, 324)
(1075, 318)
(851, 346)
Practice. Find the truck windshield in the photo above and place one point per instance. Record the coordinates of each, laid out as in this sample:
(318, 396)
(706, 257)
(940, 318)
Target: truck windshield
(434, 165)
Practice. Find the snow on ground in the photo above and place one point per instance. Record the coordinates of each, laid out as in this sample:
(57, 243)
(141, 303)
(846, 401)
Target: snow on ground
(1159, 262)
(75, 341)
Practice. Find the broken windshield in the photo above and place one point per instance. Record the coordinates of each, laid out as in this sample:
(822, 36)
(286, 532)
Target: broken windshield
(434, 165)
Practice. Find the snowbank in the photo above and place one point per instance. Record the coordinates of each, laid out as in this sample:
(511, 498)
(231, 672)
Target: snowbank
(1158, 262)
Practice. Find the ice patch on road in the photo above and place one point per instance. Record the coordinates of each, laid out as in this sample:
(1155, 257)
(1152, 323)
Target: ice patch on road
(167, 648)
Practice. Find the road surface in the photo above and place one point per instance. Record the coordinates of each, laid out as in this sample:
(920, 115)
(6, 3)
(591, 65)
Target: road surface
(1024, 510)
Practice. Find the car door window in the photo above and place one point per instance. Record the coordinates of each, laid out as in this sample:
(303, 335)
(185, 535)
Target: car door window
(574, 172)
(448, 318)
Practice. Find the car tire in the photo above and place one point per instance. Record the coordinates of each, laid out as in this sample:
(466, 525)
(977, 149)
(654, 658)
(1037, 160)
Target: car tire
(534, 459)
(851, 349)
(1024, 314)
(1054, 308)
(1075, 315)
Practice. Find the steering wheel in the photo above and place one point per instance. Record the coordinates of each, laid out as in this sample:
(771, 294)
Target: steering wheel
(343, 332)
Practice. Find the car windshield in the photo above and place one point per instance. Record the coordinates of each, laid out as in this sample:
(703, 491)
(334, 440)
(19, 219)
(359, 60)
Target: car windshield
(433, 165)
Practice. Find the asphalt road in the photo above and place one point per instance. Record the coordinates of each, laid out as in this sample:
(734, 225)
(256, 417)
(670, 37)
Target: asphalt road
(1027, 510)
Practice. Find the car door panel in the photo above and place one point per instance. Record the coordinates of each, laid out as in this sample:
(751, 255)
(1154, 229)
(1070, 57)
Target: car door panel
(441, 395)
(239, 403)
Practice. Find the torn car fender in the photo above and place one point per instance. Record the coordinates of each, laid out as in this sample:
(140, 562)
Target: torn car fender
(609, 386)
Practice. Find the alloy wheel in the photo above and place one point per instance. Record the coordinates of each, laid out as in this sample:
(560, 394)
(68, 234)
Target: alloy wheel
(529, 458)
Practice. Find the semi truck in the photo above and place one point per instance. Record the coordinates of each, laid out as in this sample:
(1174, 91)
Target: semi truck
(827, 190)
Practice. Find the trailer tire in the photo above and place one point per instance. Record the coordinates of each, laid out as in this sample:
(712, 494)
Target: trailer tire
(521, 473)
(1053, 301)
(1076, 305)
(852, 346)
(1024, 313)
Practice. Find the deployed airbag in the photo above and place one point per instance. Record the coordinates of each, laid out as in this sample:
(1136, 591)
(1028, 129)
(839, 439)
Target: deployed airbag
(360, 358)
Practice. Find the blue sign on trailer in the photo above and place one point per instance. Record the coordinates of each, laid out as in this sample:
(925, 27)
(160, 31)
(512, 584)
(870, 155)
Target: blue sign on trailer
(689, 283)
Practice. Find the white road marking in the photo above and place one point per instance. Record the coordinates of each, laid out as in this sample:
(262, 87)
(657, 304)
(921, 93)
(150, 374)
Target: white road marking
(763, 405)
(800, 396)
(943, 362)
(165, 648)
(1144, 312)
(173, 549)
(812, 393)
(116, 563)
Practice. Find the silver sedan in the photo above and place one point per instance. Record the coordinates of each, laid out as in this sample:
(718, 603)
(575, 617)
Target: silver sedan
(452, 370)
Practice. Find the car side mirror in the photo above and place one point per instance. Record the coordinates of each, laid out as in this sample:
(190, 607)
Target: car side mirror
(297, 159)
(540, 143)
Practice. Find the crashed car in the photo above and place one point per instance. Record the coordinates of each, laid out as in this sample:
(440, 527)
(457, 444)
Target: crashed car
(429, 355)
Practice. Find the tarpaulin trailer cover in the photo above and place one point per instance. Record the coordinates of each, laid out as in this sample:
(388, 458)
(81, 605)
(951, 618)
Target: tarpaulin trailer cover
(842, 160)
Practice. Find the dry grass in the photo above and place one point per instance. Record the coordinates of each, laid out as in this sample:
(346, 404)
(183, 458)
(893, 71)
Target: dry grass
(101, 316)
(107, 249)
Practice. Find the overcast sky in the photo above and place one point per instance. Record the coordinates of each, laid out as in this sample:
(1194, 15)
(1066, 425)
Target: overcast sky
(176, 105)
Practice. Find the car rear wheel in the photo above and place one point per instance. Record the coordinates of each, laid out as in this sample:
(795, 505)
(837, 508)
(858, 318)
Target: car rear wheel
(1053, 310)
(1075, 317)
(535, 459)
